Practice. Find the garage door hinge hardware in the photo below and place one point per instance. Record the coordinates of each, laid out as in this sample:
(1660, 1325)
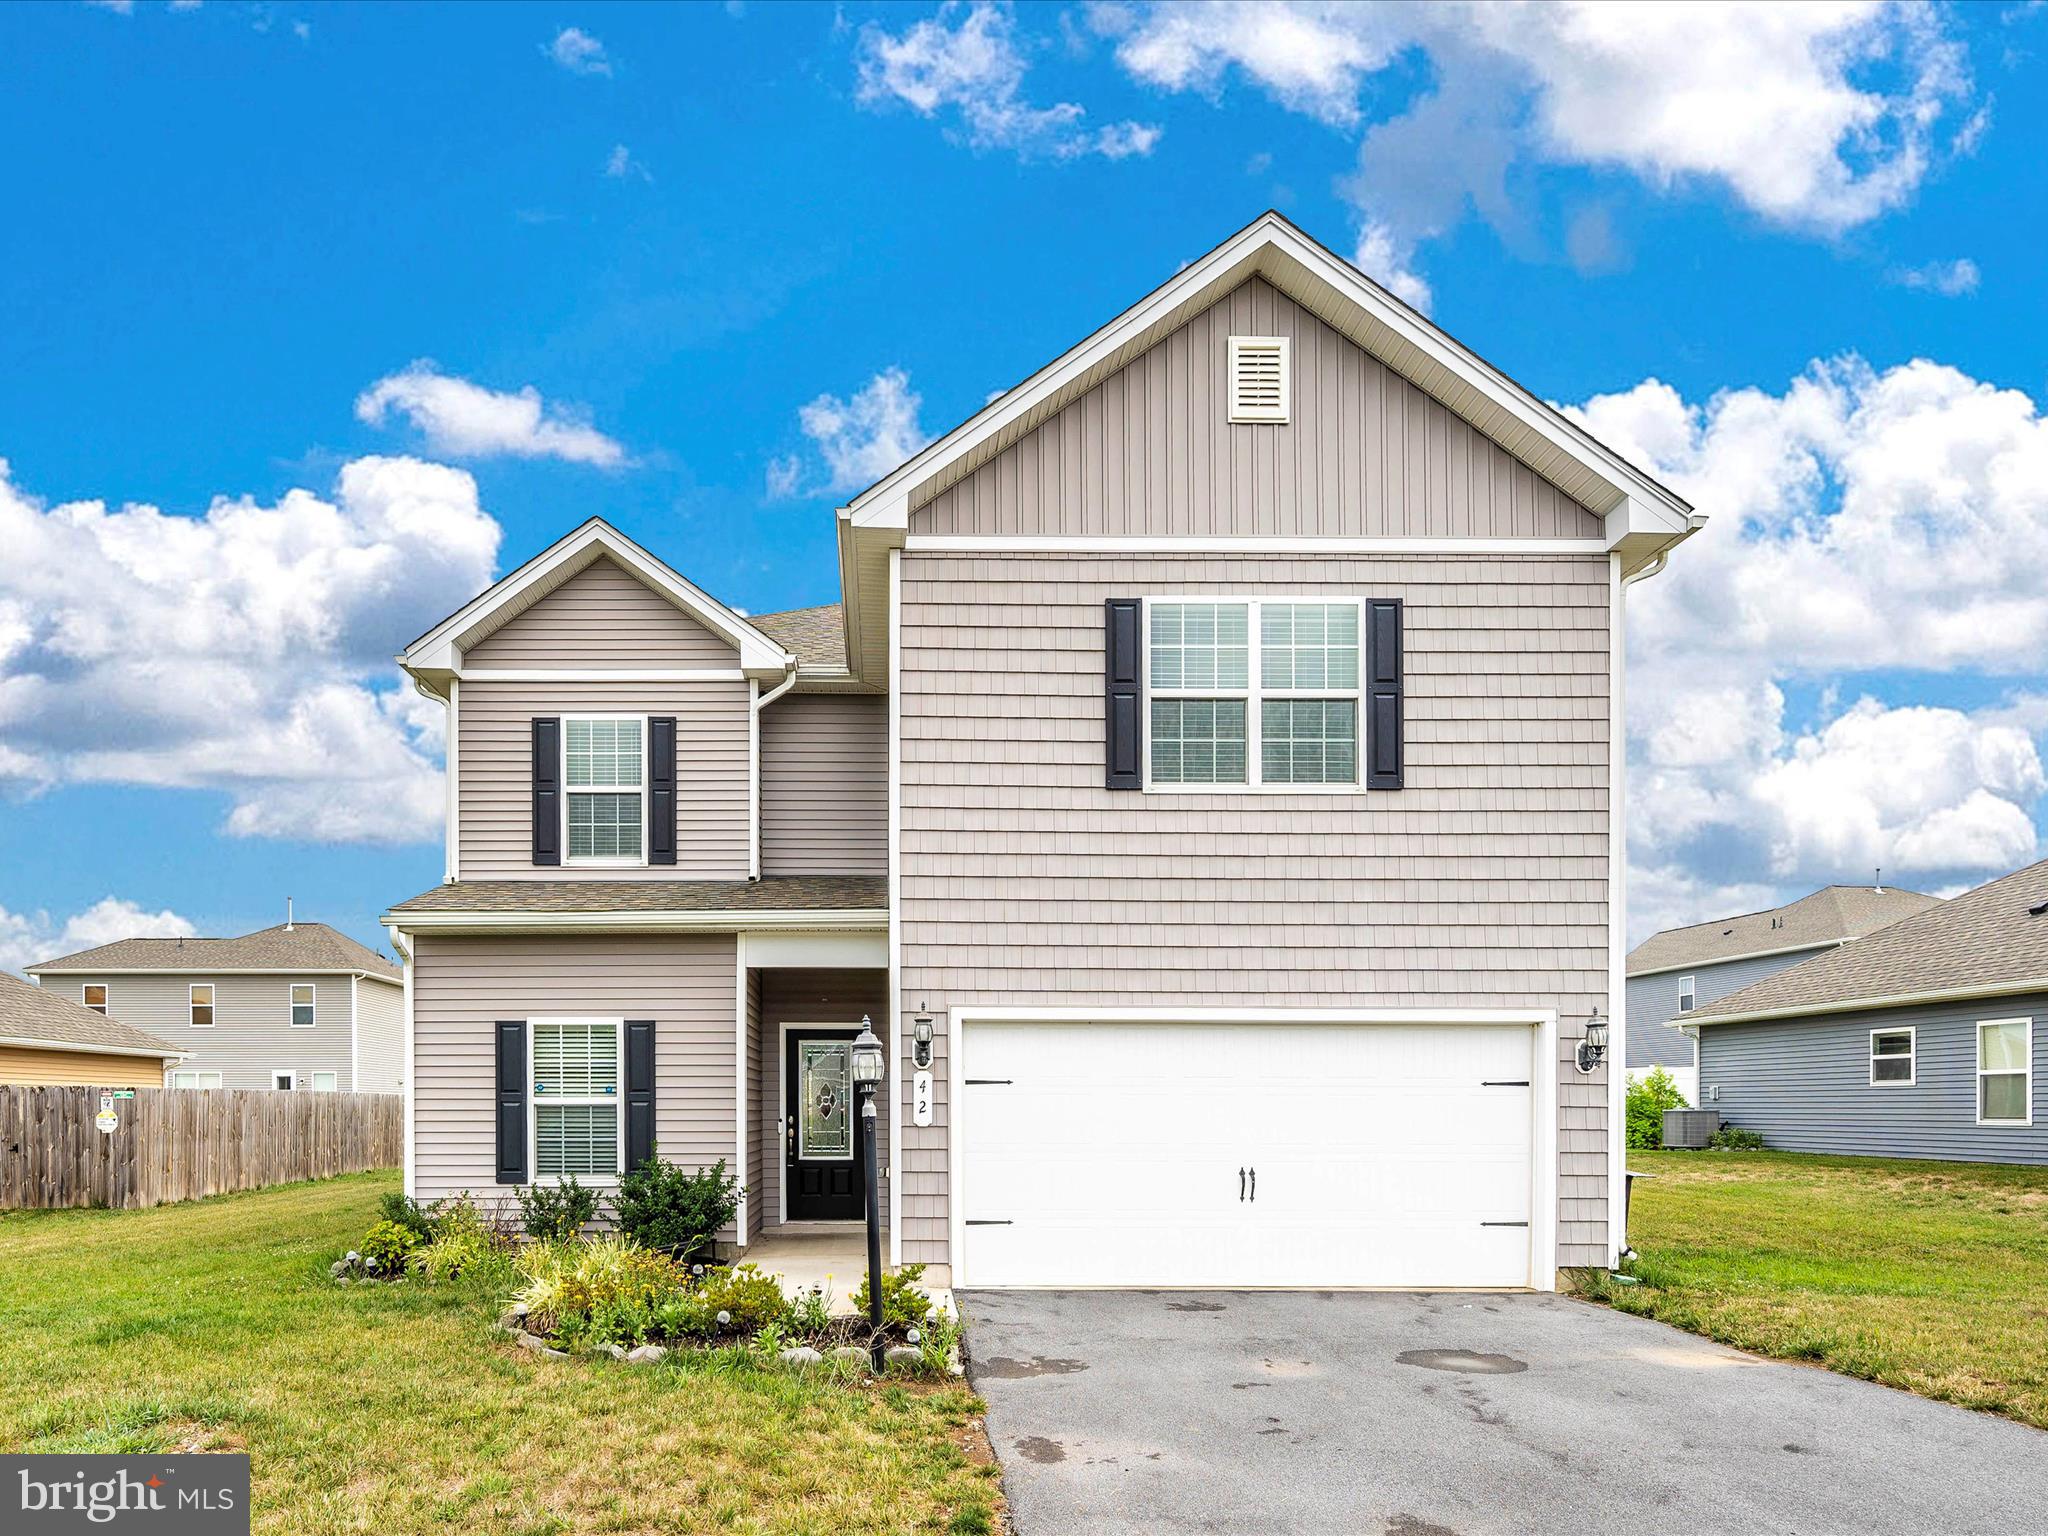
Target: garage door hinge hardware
(987, 1082)
(1503, 1223)
(973, 1223)
(1502, 1082)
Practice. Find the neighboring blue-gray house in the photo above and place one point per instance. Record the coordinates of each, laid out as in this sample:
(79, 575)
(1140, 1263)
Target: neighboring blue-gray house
(1676, 973)
(1925, 1039)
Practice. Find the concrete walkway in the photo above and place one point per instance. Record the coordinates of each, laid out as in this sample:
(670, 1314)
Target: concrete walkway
(1287, 1413)
(827, 1254)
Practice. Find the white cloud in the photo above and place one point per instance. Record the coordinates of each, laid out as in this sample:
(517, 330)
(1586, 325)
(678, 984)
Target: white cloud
(620, 165)
(246, 651)
(966, 62)
(578, 52)
(860, 439)
(1950, 279)
(1381, 258)
(1869, 532)
(1815, 117)
(29, 937)
(469, 421)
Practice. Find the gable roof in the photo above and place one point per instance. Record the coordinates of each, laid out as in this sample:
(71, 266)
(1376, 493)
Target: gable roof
(1827, 916)
(1982, 943)
(299, 947)
(32, 1015)
(436, 656)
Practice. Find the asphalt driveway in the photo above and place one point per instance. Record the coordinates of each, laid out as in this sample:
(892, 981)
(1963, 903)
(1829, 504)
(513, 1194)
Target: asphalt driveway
(1456, 1415)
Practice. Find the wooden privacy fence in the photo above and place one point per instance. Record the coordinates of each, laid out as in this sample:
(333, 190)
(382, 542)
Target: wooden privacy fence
(181, 1144)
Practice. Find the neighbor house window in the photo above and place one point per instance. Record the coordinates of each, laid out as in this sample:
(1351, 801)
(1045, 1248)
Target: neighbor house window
(200, 995)
(94, 996)
(1687, 995)
(605, 768)
(284, 1079)
(2005, 1072)
(576, 1072)
(1892, 1056)
(195, 1079)
(325, 1082)
(1253, 693)
(302, 1005)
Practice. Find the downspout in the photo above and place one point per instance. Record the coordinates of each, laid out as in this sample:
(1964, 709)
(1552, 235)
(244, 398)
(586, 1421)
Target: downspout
(761, 702)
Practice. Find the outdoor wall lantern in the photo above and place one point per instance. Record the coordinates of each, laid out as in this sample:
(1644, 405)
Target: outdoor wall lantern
(867, 1076)
(921, 1042)
(1594, 1046)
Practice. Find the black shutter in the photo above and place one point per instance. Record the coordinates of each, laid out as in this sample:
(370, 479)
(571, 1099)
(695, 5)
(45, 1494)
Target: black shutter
(661, 790)
(547, 791)
(1384, 755)
(1123, 681)
(511, 1101)
(639, 1091)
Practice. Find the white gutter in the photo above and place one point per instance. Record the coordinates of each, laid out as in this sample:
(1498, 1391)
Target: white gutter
(1894, 1000)
(1656, 565)
(864, 919)
(760, 702)
(1747, 954)
(92, 1050)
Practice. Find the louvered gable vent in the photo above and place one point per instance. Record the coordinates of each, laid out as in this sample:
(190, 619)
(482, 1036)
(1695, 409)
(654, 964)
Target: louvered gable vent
(1259, 368)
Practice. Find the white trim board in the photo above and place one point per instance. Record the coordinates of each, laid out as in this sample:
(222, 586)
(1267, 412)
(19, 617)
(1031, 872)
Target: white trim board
(854, 920)
(1747, 954)
(29, 1042)
(1165, 546)
(894, 997)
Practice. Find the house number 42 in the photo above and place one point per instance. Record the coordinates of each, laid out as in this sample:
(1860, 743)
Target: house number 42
(921, 1098)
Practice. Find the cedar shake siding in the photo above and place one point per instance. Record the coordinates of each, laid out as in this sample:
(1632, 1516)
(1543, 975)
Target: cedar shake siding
(35, 1066)
(380, 1038)
(495, 767)
(825, 785)
(1482, 883)
(462, 986)
(601, 617)
(252, 1034)
(1151, 451)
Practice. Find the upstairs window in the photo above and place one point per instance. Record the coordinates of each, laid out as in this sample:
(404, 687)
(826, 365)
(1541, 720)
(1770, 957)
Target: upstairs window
(302, 1005)
(605, 779)
(1892, 1053)
(576, 1074)
(199, 998)
(94, 995)
(1253, 693)
(1687, 995)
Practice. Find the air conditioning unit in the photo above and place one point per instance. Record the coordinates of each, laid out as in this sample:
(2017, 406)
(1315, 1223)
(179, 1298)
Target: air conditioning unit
(1690, 1128)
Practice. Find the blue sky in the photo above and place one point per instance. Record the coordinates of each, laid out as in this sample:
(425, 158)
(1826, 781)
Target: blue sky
(742, 256)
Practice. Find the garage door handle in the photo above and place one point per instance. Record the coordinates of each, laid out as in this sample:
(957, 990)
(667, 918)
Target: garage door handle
(1255, 1186)
(1240, 1186)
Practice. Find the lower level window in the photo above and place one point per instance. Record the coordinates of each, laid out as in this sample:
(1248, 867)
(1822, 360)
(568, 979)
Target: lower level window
(2005, 1072)
(325, 1082)
(1891, 1056)
(576, 1072)
(195, 1079)
(284, 1080)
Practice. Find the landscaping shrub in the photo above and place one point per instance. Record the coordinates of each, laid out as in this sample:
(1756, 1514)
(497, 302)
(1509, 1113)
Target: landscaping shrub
(463, 1243)
(557, 1212)
(663, 1208)
(904, 1304)
(573, 1280)
(751, 1299)
(386, 1248)
(1733, 1138)
(1648, 1098)
(403, 1211)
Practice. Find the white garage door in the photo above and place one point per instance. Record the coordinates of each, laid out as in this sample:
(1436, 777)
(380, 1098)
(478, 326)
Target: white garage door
(1104, 1154)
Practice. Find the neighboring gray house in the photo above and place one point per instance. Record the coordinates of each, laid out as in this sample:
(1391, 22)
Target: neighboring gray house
(1674, 974)
(295, 1006)
(1925, 1039)
(1209, 784)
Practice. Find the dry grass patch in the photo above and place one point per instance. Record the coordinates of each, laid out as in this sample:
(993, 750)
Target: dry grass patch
(382, 1408)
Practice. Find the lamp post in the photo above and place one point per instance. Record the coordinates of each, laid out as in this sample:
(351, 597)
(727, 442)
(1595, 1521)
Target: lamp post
(867, 1077)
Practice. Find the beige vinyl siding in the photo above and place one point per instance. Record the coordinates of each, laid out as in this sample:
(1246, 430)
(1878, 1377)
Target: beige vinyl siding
(31, 1064)
(252, 1034)
(1481, 884)
(828, 997)
(1151, 451)
(462, 986)
(380, 1037)
(825, 785)
(603, 616)
(495, 764)
(764, 1153)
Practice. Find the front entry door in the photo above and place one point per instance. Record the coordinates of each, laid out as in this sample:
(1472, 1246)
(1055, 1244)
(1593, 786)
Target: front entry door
(821, 1146)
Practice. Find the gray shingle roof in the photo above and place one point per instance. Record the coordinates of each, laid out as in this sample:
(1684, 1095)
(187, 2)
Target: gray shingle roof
(787, 893)
(1985, 939)
(30, 1012)
(816, 637)
(302, 947)
(1831, 913)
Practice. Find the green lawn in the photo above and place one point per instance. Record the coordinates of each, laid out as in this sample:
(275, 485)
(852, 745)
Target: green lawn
(213, 1325)
(1928, 1276)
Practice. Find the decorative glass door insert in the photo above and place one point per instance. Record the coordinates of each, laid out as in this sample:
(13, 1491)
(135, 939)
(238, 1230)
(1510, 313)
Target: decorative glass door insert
(825, 1098)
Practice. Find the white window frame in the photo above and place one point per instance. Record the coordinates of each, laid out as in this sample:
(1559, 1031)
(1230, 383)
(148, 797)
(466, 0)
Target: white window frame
(291, 1002)
(106, 997)
(290, 1083)
(1254, 694)
(212, 1004)
(1253, 415)
(193, 1072)
(645, 752)
(616, 1100)
(2026, 1071)
(1688, 994)
(314, 1085)
(1912, 1077)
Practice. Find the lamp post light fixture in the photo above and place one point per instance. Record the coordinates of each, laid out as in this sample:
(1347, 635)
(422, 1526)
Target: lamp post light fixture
(867, 1077)
(1594, 1047)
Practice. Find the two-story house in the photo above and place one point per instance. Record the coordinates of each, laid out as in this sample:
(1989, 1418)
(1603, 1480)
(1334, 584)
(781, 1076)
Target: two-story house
(1674, 974)
(298, 1006)
(1209, 783)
